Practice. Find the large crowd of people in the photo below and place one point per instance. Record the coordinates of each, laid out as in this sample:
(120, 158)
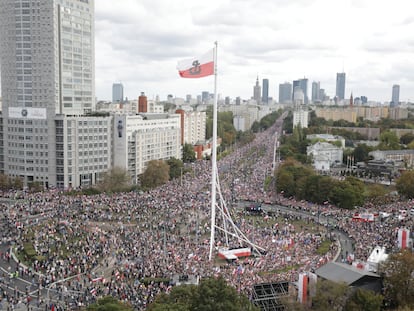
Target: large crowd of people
(132, 245)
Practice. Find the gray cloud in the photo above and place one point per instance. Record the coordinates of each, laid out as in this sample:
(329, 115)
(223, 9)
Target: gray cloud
(140, 42)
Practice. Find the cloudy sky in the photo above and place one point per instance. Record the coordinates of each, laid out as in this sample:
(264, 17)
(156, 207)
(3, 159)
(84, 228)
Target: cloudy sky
(138, 43)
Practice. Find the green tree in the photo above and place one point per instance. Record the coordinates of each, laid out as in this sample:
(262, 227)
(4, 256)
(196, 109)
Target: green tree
(364, 300)
(285, 182)
(407, 138)
(189, 154)
(4, 182)
(348, 193)
(268, 120)
(255, 127)
(376, 193)
(215, 295)
(405, 184)
(389, 141)
(179, 299)
(288, 123)
(246, 137)
(156, 174)
(411, 145)
(115, 180)
(210, 295)
(329, 296)
(318, 188)
(109, 304)
(360, 153)
(225, 127)
(292, 169)
(176, 167)
(35, 186)
(398, 272)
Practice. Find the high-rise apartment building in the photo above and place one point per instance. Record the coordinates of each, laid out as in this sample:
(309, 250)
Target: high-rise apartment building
(47, 73)
(265, 91)
(193, 126)
(285, 93)
(257, 92)
(117, 93)
(138, 139)
(340, 86)
(395, 100)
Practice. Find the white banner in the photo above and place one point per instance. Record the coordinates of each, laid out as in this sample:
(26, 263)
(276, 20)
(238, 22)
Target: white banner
(27, 113)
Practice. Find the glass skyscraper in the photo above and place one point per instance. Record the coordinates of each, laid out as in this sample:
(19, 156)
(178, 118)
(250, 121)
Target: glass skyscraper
(257, 92)
(395, 100)
(265, 91)
(303, 84)
(117, 92)
(285, 93)
(340, 85)
(316, 86)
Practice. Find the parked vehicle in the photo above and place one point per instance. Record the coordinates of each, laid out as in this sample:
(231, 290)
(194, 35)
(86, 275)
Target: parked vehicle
(254, 209)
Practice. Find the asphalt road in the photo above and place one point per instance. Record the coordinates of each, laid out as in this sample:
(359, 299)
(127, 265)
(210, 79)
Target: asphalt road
(345, 241)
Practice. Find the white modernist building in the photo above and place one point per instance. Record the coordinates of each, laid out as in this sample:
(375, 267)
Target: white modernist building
(47, 69)
(324, 155)
(138, 139)
(83, 150)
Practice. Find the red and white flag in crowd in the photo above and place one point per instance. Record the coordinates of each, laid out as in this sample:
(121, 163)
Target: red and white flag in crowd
(197, 67)
(303, 288)
(403, 236)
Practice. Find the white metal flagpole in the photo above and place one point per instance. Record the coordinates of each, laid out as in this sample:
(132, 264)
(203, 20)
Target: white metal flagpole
(214, 160)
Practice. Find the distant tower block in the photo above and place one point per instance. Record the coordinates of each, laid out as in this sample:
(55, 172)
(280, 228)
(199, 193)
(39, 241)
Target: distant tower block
(142, 103)
(351, 101)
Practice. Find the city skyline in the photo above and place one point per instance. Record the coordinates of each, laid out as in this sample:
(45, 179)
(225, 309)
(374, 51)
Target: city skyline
(139, 44)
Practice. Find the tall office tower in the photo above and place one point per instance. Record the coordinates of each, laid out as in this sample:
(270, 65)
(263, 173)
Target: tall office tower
(285, 93)
(303, 84)
(340, 86)
(322, 94)
(238, 100)
(316, 87)
(395, 100)
(257, 92)
(47, 69)
(117, 93)
(298, 97)
(205, 96)
(265, 91)
(364, 99)
(188, 98)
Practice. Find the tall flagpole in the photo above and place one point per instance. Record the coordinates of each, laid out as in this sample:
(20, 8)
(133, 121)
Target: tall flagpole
(214, 160)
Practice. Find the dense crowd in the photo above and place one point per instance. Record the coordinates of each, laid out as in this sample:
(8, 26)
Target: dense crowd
(131, 245)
